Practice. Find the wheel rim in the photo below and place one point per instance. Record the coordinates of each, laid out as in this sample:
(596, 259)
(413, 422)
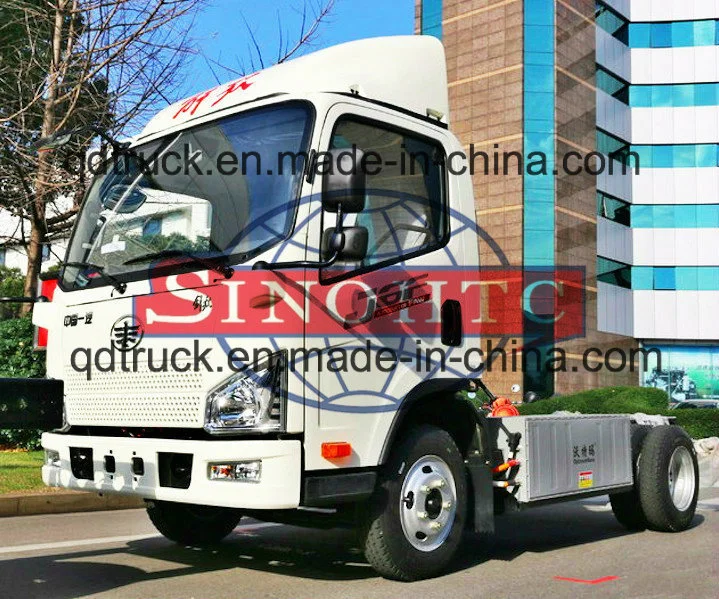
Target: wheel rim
(681, 478)
(428, 503)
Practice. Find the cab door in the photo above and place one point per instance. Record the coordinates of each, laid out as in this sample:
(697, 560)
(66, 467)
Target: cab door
(379, 332)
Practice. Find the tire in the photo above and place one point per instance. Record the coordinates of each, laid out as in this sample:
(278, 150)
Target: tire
(189, 524)
(417, 514)
(668, 479)
(627, 506)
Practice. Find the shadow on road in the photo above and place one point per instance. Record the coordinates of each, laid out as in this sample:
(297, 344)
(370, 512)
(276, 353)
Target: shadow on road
(287, 551)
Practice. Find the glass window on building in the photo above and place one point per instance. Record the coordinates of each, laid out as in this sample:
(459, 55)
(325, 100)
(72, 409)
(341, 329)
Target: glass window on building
(640, 35)
(704, 33)
(614, 273)
(613, 209)
(683, 372)
(432, 18)
(682, 34)
(665, 279)
(661, 35)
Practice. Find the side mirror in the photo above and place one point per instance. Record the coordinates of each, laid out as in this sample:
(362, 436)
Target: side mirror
(351, 244)
(344, 185)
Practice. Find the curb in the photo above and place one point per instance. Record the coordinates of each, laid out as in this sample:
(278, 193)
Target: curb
(64, 502)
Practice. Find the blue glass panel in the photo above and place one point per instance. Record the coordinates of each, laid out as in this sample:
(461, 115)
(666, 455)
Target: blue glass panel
(539, 126)
(639, 35)
(432, 18)
(538, 78)
(662, 157)
(685, 217)
(539, 12)
(682, 95)
(545, 58)
(707, 215)
(539, 142)
(661, 35)
(682, 34)
(708, 279)
(665, 279)
(640, 96)
(538, 105)
(663, 216)
(687, 278)
(538, 38)
(685, 156)
(704, 33)
(538, 249)
(706, 155)
(642, 216)
(705, 94)
(642, 278)
(644, 156)
(661, 95)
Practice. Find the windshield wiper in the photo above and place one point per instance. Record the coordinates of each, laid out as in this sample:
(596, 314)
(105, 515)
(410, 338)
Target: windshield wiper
(217, 264)
(119, 286)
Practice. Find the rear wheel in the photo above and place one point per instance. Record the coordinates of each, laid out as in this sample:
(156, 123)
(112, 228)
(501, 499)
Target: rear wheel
(192, 524)
(418, 512)
(668, 479)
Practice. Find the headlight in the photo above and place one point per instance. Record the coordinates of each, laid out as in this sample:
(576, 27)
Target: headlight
(251, 400)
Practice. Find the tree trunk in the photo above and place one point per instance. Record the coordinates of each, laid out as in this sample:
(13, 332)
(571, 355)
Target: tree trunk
(38, 227)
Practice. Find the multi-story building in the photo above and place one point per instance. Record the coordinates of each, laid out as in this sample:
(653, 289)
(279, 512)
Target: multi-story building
(658, 229)
(633, 79)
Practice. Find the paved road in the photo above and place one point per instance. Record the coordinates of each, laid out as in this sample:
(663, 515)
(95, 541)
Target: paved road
(119, 554)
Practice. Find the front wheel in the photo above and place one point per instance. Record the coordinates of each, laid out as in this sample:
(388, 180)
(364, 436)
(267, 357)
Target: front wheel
(418, 512)
(192, 524)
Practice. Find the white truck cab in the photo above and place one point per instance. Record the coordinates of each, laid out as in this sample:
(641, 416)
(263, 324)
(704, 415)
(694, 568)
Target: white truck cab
(266, 308)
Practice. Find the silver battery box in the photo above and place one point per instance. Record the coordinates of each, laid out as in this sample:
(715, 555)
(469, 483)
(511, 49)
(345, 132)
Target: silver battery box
(566, 455)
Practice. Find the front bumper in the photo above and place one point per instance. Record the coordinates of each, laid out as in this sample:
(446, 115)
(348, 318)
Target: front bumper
(279, 487)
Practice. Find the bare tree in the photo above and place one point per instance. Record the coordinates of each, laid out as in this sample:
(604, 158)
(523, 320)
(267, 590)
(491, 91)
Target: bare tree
(76, 62)
(311, 14)
(108, 63)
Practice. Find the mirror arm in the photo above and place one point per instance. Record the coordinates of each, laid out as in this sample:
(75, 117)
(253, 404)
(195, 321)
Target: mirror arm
(262, 265)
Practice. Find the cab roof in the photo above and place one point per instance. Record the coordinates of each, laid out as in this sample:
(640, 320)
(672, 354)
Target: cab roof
(405, 71)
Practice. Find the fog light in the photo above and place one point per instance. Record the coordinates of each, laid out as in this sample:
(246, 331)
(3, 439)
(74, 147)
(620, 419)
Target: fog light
(249, 472)
(52, 458)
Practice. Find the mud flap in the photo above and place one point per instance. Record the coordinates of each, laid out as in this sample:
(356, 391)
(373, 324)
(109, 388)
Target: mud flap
(483, 494)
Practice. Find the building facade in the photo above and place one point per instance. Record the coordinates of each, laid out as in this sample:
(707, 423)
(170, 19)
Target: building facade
(637, 81)
(658, 230)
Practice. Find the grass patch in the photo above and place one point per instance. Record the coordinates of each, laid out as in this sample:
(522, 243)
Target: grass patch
(20, 471)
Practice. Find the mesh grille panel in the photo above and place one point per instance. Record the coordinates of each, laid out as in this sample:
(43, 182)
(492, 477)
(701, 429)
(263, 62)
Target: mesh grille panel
(135, 399)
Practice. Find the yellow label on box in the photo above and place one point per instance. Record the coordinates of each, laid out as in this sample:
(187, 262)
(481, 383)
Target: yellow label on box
(586, 479)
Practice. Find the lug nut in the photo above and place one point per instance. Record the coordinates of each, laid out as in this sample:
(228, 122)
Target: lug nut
(437, 484)
(447, 504)
(435, 526)
(424, 489)
(422, 515)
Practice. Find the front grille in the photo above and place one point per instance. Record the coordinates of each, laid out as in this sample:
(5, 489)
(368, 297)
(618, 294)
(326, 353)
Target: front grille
(135, 399)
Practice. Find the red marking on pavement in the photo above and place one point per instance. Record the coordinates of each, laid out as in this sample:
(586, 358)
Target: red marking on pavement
(579, 580)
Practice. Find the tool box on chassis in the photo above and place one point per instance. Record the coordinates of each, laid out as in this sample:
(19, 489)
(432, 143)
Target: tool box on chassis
(568, 455)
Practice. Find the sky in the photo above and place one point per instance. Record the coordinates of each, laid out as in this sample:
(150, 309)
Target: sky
(220, 32)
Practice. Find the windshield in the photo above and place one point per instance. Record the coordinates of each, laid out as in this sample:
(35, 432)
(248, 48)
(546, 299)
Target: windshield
(213, 192)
